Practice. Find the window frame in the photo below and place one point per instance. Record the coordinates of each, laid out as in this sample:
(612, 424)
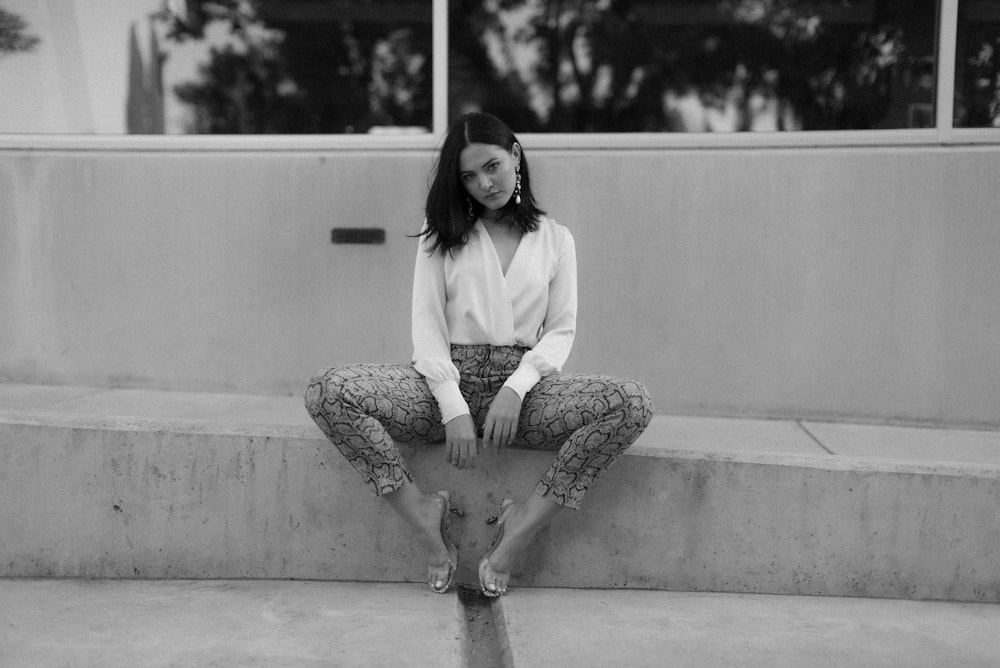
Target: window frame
(943, 134)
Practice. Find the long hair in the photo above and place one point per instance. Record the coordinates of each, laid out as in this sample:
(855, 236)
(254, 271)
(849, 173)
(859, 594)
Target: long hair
(448, 207)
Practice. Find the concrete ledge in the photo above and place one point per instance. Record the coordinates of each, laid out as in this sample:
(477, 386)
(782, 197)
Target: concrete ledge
(226, 624)
(115, 494)
(650, 629)
(286, 624)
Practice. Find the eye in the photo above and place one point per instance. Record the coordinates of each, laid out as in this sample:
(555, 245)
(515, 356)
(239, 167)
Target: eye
(492, 167)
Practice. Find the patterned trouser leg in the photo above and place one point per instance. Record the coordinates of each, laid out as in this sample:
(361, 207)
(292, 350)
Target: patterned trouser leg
(589, 419)
(362, 408)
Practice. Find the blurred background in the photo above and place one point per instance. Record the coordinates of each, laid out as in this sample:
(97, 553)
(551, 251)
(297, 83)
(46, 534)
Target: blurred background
(763, 270)
(356, 66)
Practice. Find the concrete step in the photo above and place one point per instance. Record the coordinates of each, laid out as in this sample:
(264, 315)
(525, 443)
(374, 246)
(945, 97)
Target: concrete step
(236, 624)
(277, 624)
(148, 484)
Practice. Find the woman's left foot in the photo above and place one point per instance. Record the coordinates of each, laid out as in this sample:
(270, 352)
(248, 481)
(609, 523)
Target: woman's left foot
(492, 582)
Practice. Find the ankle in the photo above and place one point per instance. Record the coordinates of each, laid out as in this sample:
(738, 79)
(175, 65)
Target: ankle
(431, 503)
(516, 520)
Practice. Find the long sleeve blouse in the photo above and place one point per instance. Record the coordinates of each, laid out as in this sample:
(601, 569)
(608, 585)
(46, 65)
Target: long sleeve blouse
(464, 297)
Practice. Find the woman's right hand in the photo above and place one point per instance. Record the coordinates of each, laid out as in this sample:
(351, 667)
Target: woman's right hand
(460, 445)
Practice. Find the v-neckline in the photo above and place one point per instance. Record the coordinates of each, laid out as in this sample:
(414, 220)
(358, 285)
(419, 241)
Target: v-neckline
(503, 272)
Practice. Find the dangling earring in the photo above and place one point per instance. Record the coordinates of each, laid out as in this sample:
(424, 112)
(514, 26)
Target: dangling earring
(517, 185)
(472, 213)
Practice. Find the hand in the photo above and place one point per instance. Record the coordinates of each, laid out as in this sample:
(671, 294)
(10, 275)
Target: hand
(460, 446)
(500, 427)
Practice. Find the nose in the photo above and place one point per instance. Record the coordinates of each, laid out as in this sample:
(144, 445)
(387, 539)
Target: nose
(484, 182)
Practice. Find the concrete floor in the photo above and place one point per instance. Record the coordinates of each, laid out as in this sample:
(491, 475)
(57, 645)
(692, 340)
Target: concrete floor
(224, 623)
(277, 623)
(111, 623)
(580, 628)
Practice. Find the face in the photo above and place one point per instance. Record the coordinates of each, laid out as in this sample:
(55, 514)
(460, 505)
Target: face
(488, 173)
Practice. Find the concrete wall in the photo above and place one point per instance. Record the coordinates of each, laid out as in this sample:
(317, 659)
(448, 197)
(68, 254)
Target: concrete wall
(855, 283)
(111, 497)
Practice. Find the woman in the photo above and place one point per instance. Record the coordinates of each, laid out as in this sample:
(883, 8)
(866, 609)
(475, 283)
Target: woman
(494, 316)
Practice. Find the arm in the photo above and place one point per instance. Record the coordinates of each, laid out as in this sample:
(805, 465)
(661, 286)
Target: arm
(559, 328)
(431, 342)
(432, 356)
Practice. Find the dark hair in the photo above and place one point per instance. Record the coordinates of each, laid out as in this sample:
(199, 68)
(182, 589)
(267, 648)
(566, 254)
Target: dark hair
(448, 203)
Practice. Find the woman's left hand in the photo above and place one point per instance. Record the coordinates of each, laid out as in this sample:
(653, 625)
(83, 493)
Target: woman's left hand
(500, 426)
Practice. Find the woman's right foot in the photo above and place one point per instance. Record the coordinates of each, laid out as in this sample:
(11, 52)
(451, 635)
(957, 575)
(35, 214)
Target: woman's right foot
(442, 555)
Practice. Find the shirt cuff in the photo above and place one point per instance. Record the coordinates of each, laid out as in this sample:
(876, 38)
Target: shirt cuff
(450, 401)
(522, 380)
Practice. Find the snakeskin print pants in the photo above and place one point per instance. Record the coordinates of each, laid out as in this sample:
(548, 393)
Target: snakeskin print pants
(364, 409)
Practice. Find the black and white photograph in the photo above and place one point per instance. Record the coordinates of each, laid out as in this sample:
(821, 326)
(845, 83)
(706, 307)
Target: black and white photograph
(500, 333)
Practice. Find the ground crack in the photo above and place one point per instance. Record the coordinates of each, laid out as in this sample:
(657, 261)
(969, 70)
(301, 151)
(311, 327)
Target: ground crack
(485, 643)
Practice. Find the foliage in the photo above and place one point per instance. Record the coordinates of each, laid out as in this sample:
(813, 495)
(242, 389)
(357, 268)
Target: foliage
(978, 99)
(558, 65)
(12, 33)
(610, 65)
(276, 76)
(241, 93)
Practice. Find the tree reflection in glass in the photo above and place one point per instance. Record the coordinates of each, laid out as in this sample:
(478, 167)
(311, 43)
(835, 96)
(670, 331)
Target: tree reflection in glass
(313, 66)
(694, 66)
(977, 75)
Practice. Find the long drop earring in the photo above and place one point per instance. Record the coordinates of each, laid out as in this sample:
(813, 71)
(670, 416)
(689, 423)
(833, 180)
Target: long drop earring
(472, 213)
(517, 185)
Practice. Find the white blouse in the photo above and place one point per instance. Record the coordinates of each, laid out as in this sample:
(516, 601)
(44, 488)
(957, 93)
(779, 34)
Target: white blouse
(464, 298)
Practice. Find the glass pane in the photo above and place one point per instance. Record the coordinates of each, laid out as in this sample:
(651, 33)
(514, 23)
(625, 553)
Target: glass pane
(694, 66)
(215, 66)
(977, 65)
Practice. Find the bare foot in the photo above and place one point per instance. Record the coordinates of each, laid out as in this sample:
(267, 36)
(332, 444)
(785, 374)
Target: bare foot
(429, 514)
(425, 513)
(513, 542)
(520, 522)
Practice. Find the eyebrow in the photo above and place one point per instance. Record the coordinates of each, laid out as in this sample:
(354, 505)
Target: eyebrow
(494, 159)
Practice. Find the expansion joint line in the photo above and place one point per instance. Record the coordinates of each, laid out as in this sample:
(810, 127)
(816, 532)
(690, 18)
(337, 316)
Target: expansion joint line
(813, 437)
(485, 643)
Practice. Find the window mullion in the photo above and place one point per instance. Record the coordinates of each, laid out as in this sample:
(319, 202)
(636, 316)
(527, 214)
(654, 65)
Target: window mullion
(440, 59)
(946, 59)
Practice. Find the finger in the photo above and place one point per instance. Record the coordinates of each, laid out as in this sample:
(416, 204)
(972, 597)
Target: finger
(488, 427)
(464, 455)
(473, 452)
(470, 453)
(505, 435)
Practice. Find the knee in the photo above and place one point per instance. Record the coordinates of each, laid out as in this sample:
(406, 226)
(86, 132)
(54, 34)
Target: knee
(636, 403)
(322, 390)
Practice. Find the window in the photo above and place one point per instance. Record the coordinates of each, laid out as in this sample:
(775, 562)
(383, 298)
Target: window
(216, 66)
(619, 70)
(695, 66)
(309, 66)
(977, 65)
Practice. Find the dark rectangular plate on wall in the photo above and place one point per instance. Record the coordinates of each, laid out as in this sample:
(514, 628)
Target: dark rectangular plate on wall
(358, 235)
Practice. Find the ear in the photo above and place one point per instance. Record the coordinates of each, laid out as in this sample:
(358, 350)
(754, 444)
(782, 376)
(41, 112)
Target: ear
(515, 151)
